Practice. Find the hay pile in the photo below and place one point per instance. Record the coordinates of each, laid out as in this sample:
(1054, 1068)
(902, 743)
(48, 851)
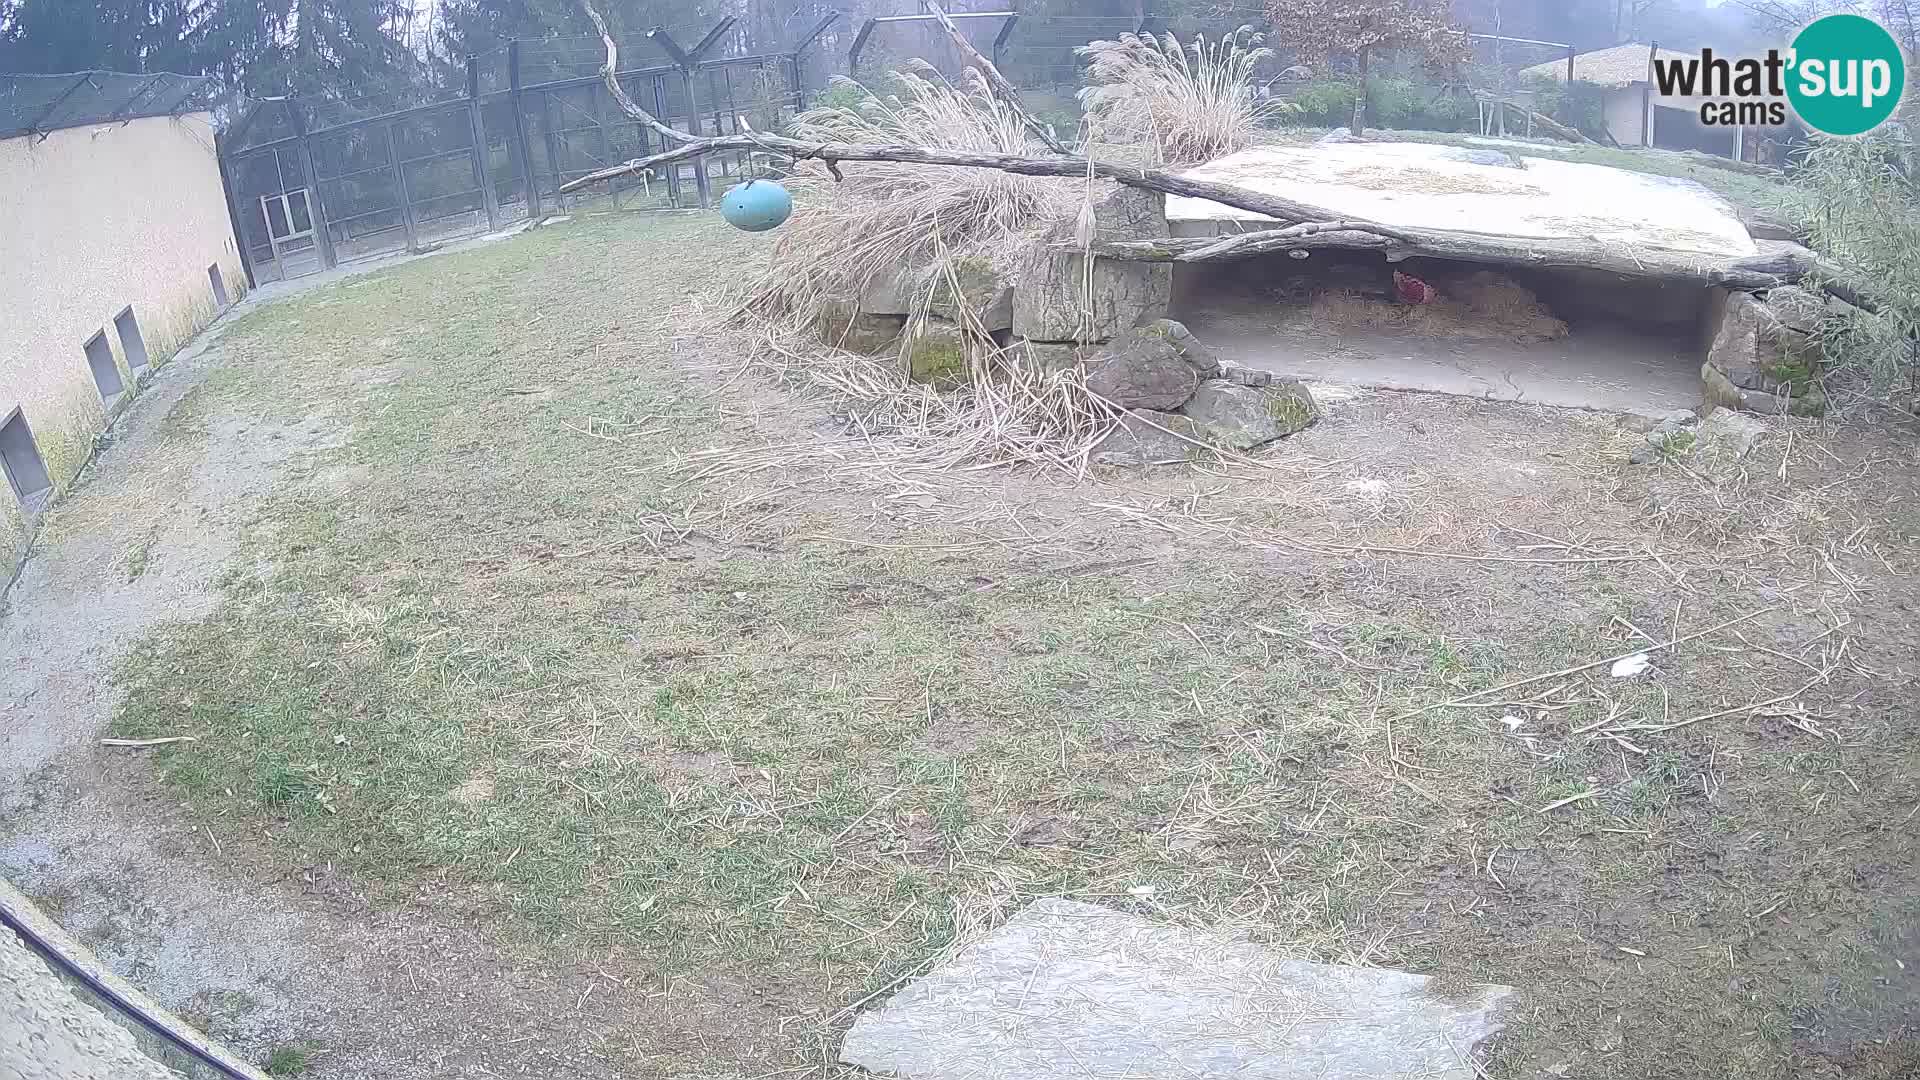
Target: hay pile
(1480, 305)
(883, 216)
(846, 234)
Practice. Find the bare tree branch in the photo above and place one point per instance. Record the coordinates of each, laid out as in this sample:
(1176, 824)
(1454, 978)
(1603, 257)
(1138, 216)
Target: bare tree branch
(627, 104)
(1304, 226)
(995, 81)
(1169, 183)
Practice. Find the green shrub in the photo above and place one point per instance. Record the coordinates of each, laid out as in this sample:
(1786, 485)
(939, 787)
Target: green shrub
(1394, 101)
(1860, 203)
(841, 94)
(1324, 103)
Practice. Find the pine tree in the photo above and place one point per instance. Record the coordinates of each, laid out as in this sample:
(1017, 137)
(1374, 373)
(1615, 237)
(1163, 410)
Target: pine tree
(50, 36)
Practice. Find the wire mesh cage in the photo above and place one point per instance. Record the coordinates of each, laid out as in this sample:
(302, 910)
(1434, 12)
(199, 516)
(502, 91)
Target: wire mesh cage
(534, 118)
(40, 104)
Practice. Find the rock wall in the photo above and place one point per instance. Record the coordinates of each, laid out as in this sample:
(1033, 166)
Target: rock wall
(1049, 310)
(1181, 401)
(1764, 354)
(1055, 301)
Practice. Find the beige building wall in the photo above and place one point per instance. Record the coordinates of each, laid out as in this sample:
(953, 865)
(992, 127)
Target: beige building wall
(93, 219)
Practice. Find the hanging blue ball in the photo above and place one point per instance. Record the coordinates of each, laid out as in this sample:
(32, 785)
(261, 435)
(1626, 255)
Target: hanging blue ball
(756, 206)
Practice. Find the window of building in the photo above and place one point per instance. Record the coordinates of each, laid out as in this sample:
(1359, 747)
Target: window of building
(20, 461)
(106, 373)
(132, 345)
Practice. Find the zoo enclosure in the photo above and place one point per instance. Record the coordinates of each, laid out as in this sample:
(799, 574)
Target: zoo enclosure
(305, 198)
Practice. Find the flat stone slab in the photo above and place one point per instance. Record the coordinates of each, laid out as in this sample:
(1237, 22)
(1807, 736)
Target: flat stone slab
(1072, 990)
(1447, 187)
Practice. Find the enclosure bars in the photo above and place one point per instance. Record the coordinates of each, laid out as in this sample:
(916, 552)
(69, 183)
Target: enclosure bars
(999, 40)
(476, 125)
(689, 64)
(1566, 101)
(302, 144)
(222, 159)
(316, 206)
(521, 151)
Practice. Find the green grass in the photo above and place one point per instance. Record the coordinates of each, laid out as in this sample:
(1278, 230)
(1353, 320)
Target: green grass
(612, 705)
(289, 1060)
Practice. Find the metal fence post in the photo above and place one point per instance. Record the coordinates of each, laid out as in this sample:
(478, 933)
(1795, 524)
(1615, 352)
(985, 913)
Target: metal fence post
(799, 80)
(223, 156)
(400, 185)
(606, 139)
(689, 64)
(316, 206)
(482, 170)
(521, 150)
(700, 182)
(552, 142)
(1006, 31)
(660, 109)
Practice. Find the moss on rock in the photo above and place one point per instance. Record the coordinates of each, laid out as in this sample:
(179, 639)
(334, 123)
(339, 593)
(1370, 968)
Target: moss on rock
(934, 351)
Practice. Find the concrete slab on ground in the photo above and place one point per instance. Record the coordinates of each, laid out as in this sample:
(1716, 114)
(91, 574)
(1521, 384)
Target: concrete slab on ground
(1519, 144)
(1477, 190)
(1594, 368)
(1067, 989)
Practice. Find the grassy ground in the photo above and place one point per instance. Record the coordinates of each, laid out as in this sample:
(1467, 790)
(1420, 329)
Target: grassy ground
(586, 626)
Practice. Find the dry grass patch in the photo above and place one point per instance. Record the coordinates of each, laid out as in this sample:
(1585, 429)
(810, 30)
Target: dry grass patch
(1185, 104)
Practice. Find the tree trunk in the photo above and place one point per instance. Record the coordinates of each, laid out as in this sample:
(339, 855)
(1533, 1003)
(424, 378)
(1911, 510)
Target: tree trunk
(1359, 127)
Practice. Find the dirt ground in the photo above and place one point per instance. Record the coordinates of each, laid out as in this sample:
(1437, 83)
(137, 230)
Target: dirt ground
(569, 702)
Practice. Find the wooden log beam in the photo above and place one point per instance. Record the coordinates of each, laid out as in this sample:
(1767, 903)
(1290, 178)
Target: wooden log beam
(1301, 226)
(1659, 264)
(1553, 126)
(1168, 183)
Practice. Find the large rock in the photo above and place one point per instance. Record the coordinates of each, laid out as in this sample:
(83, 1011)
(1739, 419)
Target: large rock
(1146, 437)
(934, 350)
(1740, 349)
(1243, 417)
(1726, 435)
(842, 325)
(983, 288)
(892, 291)
(1797, 308)
(1156, 366)
(1048, 356)
(1051, 300)
(1760, 364)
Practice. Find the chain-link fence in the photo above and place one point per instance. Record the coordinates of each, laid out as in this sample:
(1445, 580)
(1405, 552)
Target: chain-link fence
(316, 185)
(38, 104)
(306, 196)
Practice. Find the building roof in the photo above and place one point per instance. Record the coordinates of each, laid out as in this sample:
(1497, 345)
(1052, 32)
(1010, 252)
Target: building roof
(1622, 65)
(37, 104)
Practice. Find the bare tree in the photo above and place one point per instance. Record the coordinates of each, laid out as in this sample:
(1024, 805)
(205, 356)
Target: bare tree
(1361, 27)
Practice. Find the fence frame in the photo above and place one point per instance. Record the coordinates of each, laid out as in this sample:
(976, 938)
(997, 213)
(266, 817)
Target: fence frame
(692, 66)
